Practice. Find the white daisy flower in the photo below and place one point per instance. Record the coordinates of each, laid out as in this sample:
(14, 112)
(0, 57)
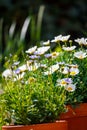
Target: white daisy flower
(23, 68)
(81, 41)
(70, 87)
(7, 73)
(52, 69)
(57, 38)
(65, 38)
(65, 70)
(64, 81)
(46, 43)
(61, 38)
(80, 55)
(31, 50)
(61, 82)
(74, 71)
(19, 76)
(69, 48)
(33, 67)
(41, 50)
(54, 54)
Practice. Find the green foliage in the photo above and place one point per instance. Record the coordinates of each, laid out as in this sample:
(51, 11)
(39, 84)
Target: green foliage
(31, 103)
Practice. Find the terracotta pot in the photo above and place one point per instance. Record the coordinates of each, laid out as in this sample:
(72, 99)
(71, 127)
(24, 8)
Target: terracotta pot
(59, 125)
(76, 117)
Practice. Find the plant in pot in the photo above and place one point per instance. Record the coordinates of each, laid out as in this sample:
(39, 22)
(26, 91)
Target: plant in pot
(49, 84)
(29, 94)
(73, 55)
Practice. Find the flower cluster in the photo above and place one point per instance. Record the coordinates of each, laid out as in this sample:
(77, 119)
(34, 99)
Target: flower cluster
(46, 80)
(69, 63)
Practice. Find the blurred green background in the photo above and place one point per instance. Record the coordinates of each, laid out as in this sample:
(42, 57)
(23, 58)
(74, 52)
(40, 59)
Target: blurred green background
(24, 23)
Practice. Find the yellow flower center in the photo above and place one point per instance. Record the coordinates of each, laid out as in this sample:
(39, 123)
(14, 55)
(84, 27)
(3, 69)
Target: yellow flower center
(80, 57)
(54, 54)
(63, 83)
(73, 73)
(69, 89)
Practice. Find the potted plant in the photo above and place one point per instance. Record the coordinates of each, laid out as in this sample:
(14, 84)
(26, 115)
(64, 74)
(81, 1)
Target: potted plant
(50, 84)
(29, 96)
(73, 55)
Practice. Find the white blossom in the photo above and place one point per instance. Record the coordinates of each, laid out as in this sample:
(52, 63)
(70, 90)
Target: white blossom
(23, 68)
(46, 43)
(41, 50)
(54, 54)
(52, 69)
(65, 70)
(33, 67)
(69, 48)
(80, 55)
(57, 38)
(7, 73)
(81, 41)
(31, 50)
(19, 76)
(61, 38)
(74, 71)
(64, 81)
(70, 87)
